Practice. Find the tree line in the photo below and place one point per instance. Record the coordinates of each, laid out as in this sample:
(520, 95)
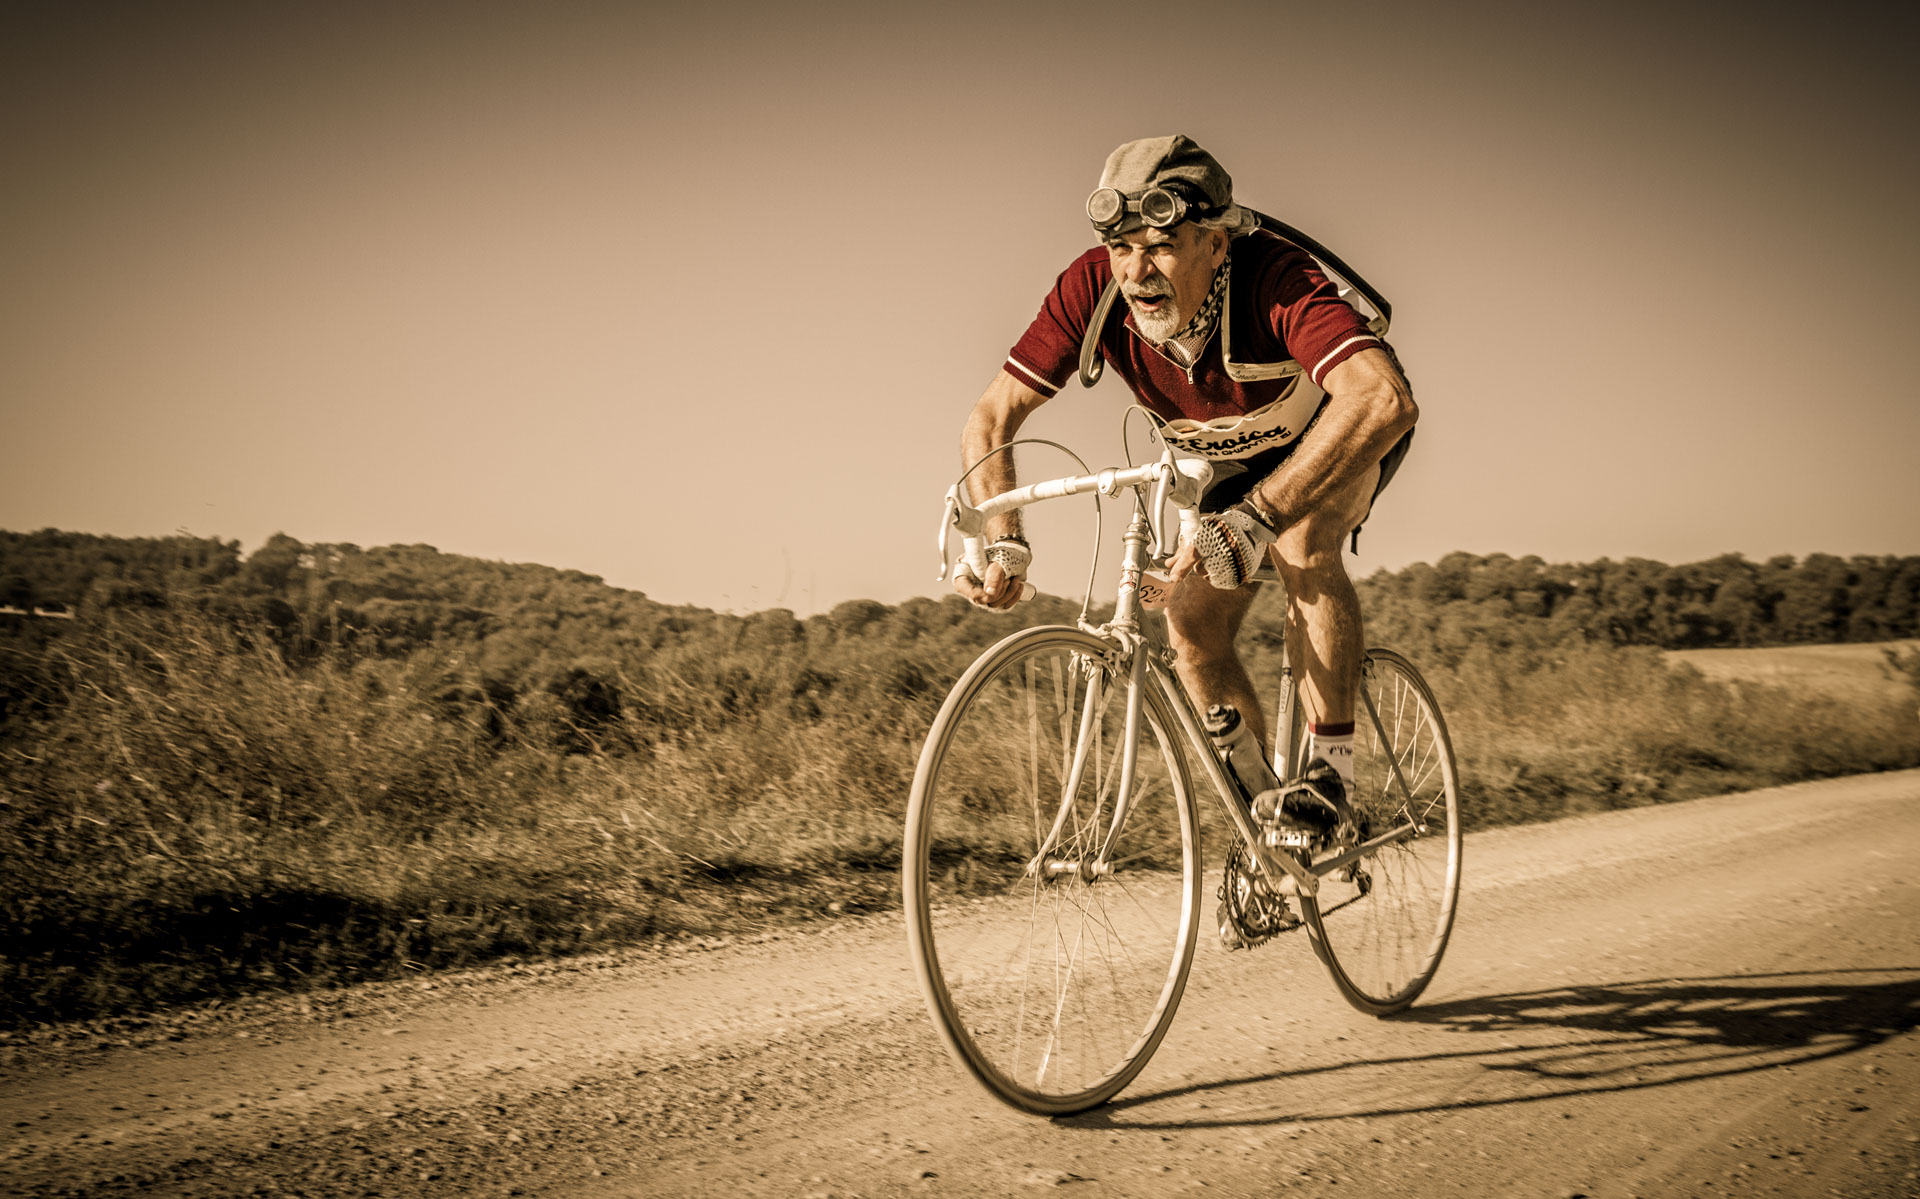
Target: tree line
(562, 646)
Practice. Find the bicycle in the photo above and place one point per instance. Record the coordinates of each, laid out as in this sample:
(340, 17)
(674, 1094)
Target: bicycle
(1051, 869)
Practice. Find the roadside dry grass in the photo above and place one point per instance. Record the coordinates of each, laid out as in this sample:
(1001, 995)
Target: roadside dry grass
(1595, 728)
(199, 817)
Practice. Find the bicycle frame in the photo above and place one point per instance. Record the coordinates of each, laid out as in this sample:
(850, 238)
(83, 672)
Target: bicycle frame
(1181, 481)
(1290, 876)
(1053, 975)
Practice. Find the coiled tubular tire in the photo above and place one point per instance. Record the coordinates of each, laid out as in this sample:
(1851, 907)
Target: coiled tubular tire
(1052, 987)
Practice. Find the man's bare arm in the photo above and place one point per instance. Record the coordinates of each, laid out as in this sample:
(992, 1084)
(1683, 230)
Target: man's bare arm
(996, 418)
(1369, 408)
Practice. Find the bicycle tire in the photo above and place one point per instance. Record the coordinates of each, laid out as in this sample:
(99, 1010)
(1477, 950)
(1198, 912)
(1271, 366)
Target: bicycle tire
(1051, 990)
(1387, 933)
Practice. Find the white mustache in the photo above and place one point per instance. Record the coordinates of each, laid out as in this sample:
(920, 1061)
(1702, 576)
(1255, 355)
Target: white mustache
(1145, 291)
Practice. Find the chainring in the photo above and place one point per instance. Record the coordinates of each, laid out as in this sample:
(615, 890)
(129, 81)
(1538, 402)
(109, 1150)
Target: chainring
(1250, 913)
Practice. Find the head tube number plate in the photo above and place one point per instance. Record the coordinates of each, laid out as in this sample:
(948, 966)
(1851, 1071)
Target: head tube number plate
(1156, 589)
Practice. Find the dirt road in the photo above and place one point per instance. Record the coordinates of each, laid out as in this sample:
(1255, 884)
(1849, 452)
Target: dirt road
(1711, 998)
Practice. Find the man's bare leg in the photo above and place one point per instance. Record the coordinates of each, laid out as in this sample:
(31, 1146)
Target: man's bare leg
(1324, 633)
(1202, 622)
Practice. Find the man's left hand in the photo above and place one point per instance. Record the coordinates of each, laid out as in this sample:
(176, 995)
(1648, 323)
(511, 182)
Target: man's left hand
(1231, 545)
(1184, 562)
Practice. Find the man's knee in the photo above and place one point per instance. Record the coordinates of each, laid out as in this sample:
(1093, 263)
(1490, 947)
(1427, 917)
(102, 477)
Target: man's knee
(1198, 639)
(1311, 549)
(1202, 622)
(1303, 556)
(1314, 545)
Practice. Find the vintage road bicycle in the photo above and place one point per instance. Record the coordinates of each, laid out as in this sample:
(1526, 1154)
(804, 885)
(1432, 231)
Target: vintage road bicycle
(1052, 868)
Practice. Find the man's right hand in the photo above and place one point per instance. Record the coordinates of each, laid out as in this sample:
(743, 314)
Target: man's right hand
(1005, 583)
(996, 593)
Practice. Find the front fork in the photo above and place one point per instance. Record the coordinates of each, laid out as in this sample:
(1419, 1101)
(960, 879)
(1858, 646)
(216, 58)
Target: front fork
(1287, 874)
(1125, 625)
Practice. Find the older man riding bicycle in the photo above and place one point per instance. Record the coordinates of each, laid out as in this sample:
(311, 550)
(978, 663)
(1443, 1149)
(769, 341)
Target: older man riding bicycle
(1246, 354)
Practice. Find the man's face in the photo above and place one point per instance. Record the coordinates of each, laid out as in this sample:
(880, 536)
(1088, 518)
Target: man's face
(1164, 274)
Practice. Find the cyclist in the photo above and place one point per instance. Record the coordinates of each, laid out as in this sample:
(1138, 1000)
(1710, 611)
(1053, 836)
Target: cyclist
(1215, 308)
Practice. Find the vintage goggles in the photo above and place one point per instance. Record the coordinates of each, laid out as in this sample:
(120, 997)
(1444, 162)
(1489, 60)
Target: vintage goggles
(1159, 207)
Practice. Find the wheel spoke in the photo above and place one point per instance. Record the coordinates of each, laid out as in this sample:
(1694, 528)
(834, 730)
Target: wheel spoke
(1382, 946)
(1054, 996)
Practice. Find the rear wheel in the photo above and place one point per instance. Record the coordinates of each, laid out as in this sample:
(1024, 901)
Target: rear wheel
(1052, 969)
(1381, 925)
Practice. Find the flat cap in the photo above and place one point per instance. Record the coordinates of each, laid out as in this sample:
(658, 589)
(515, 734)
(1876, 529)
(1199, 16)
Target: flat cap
(1158, 161)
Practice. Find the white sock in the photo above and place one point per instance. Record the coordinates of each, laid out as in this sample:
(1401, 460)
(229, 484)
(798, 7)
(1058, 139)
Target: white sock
(1335, 746)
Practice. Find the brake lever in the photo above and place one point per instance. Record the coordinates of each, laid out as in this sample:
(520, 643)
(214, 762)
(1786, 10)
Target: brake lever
(947, 517)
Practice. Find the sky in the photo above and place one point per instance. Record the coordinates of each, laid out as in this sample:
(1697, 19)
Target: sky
(698, 300)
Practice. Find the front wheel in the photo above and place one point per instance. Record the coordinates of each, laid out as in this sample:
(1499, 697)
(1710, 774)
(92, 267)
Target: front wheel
(1381, 925)
(1052, 938)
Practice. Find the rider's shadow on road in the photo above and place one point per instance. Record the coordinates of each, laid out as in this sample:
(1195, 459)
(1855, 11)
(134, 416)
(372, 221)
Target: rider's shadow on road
(1576, 1040)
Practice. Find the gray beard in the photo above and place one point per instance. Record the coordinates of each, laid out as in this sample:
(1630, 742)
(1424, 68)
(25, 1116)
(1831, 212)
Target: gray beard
(1156, 327)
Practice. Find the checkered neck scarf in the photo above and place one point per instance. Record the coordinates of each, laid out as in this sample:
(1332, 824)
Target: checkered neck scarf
(1201, 326)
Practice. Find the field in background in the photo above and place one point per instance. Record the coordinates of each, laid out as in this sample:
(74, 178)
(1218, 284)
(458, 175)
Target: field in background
(1857, 672)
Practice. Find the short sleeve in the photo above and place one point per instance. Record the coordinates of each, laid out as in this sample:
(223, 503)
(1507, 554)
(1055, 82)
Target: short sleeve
(1047, 355)
(1319, 329)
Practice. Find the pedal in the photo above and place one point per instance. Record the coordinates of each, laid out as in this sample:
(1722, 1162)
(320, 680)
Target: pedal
(1289, 836)
(1327, 827)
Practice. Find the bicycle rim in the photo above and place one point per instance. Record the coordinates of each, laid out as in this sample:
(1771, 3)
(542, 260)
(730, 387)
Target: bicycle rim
(1052, 986)
(1381, 927)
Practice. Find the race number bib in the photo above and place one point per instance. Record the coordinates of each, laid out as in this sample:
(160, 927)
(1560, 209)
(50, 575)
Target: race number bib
(1232, 437)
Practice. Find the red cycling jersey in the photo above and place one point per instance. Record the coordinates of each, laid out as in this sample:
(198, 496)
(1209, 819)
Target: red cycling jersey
(1280, 305)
